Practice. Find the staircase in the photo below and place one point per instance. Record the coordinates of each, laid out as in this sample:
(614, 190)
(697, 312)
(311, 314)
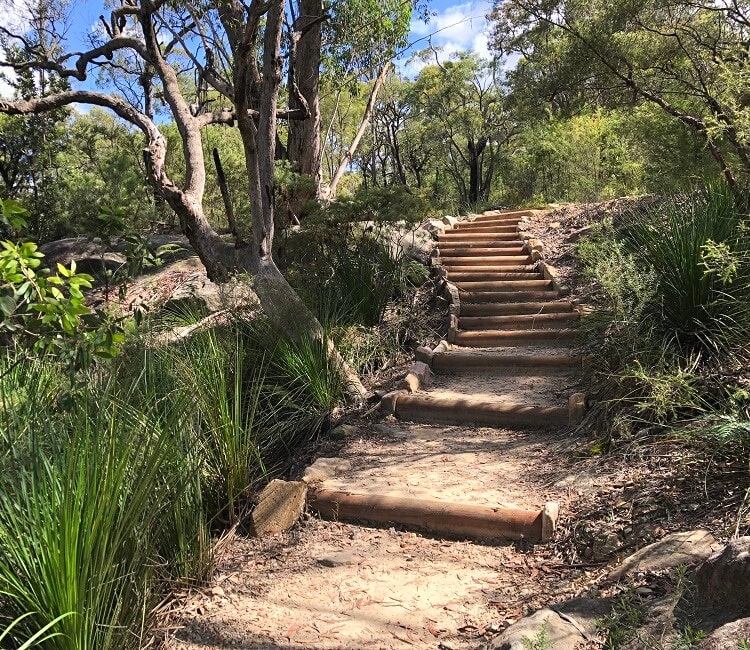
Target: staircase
(508, 363)
(509, 355)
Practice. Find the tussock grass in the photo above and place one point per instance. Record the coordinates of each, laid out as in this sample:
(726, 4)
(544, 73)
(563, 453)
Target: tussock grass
(671, 333)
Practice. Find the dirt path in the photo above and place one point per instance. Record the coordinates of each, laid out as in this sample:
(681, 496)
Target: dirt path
(338, 585)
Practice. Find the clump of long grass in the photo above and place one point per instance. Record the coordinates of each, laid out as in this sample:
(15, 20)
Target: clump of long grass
(695, 245)
(84, 504)
(673, 282)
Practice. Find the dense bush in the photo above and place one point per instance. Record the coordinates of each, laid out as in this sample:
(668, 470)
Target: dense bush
(347, 262)
(674, 304)
(110, 487)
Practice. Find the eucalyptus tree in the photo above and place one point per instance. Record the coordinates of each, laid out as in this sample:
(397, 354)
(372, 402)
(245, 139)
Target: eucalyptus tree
(464, 105)
(688, 58)
(233, 49)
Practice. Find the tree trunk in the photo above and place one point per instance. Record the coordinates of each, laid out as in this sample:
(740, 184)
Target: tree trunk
(228, 207)
(304, 147)
(349, 155)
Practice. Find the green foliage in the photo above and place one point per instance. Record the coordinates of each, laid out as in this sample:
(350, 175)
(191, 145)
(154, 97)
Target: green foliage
(683, 61)
(673, 310)
(704, 302)
(622, 623)
(38, 638)
(348, 262)
(85, 496)
(46, 311)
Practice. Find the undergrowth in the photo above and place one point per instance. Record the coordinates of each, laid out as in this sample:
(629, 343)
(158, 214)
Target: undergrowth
(671, 327)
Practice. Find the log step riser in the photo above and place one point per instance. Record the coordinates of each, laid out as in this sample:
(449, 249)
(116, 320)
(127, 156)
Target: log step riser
(497, 276)
(501, 309)
(517, 322)
(504, 338)
(424, 409)
(504, 285)
(476, 297)
(499, 260)
(456, 361)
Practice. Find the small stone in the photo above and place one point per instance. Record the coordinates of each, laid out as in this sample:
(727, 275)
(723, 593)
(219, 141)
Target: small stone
(424, 354)
(535, 245)
(325, 468)
(673, 550)
(409, 383)
(343, 431)
(217, 591)
(555, 225)
(280, 505)
(344, 558)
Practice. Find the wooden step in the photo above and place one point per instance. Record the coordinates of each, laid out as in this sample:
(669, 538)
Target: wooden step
(518, 321)
(504, 285)
(477, 228)
(477, 244)
(491, 276)
(503, 338)
(450, 251)
(505, 214)
(508, 268)
(499, 308)
(485, 260)
(495, 221)
(476, 297)
(423, 408)
(457, 360)
(460, 236)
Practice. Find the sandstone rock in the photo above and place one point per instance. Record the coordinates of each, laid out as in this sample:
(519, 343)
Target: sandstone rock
(324, 468)
(280, 505)
(409, 383)
(198, 293)
(657, 626)
(443, 346)
(449, 221)
(562, 627)
(576, 407)
(535, 245)
(434, 227)
(424, 354)
(728, 637)
(576, 235)
(724, 578)
(344, 558)
(423, 372)
(673, 550)
(343, 431)
(416, 244)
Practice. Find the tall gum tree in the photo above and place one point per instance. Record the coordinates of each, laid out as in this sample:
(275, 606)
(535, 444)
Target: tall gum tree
(688, 58)
(232, 47)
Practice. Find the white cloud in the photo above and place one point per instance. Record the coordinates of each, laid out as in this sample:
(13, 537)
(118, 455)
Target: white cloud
(457, 28)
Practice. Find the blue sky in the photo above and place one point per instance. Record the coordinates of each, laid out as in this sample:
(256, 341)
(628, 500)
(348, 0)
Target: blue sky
(455, 26)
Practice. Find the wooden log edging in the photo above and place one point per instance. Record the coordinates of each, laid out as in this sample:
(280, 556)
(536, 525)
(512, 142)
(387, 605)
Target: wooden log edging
(466, 520)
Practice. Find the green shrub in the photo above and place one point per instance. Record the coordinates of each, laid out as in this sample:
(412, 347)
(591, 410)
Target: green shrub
(347, 262)
(86, 496)
(673, 294)
(696, 244)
